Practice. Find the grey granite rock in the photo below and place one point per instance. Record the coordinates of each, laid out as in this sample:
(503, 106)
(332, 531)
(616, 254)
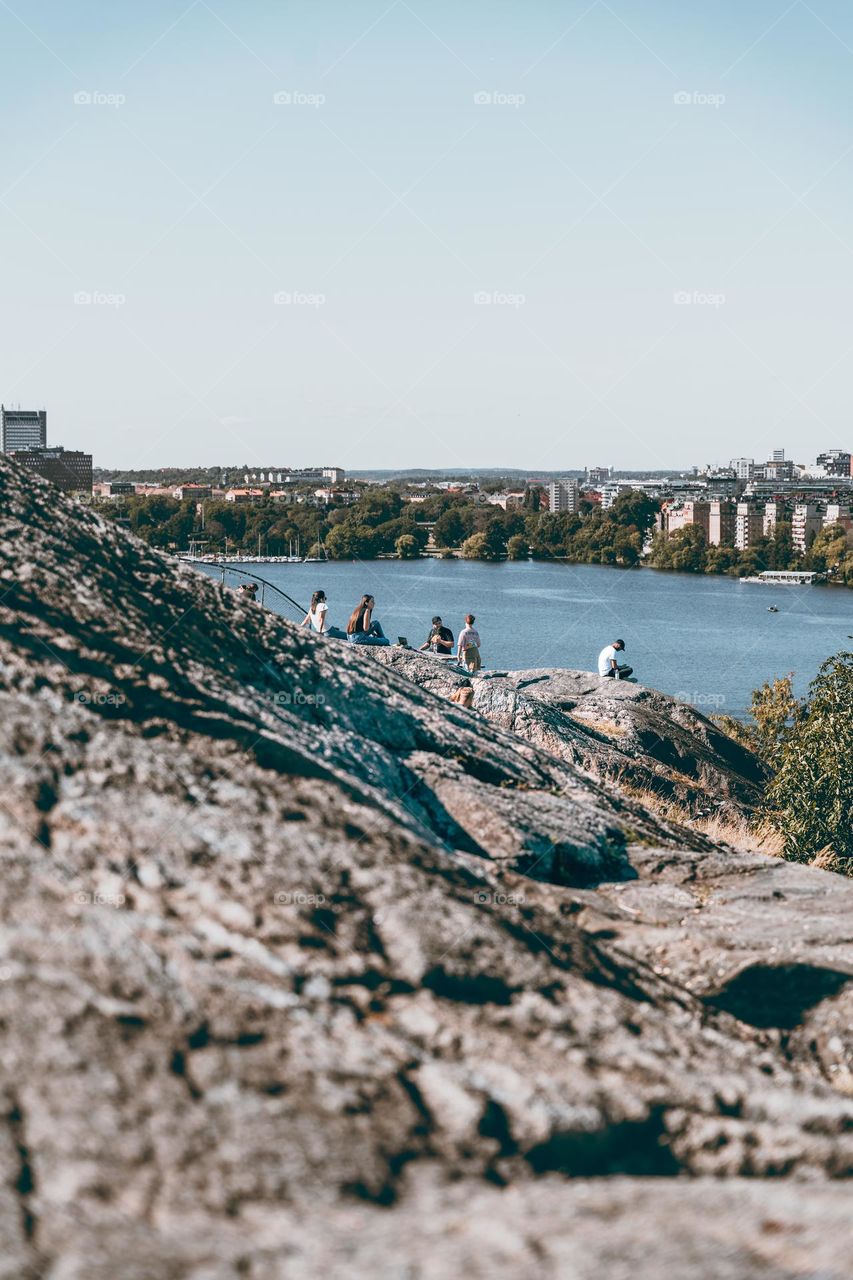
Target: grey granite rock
(305, 969)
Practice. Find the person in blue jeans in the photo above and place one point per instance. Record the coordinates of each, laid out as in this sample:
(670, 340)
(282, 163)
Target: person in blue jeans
(361, 628)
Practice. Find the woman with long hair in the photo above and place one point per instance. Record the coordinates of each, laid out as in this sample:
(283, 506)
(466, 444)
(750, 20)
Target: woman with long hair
(362, 628)
(315, 618)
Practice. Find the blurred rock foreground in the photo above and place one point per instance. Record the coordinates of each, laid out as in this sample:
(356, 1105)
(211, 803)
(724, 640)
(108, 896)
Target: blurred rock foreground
(306, 970)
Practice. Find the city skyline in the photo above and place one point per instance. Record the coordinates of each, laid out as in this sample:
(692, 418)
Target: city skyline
(428, 238)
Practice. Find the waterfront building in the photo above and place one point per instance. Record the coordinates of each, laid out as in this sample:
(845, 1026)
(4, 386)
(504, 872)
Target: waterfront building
(22, 429)
(749, 524)
(806, 522)
(798, 577)
(69, 469)
(680, 514)
(774, 513)
(563, 495)
(721, 523)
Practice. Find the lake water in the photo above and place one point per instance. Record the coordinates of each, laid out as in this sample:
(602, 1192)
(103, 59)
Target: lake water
(710, 640)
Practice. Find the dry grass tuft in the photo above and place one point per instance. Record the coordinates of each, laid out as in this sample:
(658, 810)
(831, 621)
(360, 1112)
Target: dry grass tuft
(746, 837)
(739, 833)
(607, 727)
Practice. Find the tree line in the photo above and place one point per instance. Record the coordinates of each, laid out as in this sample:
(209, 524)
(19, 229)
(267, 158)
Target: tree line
(381, 522)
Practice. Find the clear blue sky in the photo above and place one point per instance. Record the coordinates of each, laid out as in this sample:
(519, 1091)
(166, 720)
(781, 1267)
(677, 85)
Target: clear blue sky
(581, 198)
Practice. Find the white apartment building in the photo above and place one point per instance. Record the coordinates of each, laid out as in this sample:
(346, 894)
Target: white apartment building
(564, 495)
(743, 468)
(806, 523)
(749, 525)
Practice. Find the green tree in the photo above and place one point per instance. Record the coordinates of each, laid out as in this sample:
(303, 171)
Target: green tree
(773, 714)
(478, 547)
(828, 549)
(684, 549)
(452, 527)
(782, 553)
(517, 547)
(407, 547)
(350, 542)
(810, 799)
(633, 507)
(722, 560)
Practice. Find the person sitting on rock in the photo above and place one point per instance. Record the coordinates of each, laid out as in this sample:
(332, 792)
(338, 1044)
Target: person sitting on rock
(361, 628)
(468, 651)
(248, 590)
(315, 618)
(440, 639)
(609, 667)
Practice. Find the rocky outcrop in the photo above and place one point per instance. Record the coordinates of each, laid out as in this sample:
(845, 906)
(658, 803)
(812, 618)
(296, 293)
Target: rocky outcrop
(304, 969)
(612, 730)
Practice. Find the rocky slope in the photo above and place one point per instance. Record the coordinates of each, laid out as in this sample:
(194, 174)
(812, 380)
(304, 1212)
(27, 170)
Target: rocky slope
(305, 969)
(614, 730)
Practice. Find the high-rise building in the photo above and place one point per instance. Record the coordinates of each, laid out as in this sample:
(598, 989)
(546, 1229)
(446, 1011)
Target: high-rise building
(749, 525)
(774, 513)
(835, 462)
(67, 468)
(743, 467)
(597, 475)
(805, 525)
(721, 523)
(22, 429)
(836, 513)
(778, 455)
(563, 495)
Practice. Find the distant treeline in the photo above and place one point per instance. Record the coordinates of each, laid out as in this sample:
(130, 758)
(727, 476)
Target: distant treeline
(381, 522)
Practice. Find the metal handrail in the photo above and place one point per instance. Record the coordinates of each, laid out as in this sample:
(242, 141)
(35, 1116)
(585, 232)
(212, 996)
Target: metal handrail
(227, 568)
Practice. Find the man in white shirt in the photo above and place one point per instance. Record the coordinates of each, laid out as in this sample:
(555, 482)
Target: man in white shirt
(609, 667)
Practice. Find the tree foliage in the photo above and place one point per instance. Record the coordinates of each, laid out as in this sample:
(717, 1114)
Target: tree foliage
(810, 799)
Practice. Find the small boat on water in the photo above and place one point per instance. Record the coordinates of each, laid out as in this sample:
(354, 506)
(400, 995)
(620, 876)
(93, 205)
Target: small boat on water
(772, 608)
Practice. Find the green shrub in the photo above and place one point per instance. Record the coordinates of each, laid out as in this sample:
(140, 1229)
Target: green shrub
(810, 799)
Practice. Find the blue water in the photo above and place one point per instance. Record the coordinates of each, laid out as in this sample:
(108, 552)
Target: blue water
(710, 640)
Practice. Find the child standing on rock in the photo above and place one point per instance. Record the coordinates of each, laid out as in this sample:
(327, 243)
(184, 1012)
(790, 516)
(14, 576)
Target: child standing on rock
(468, 651)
